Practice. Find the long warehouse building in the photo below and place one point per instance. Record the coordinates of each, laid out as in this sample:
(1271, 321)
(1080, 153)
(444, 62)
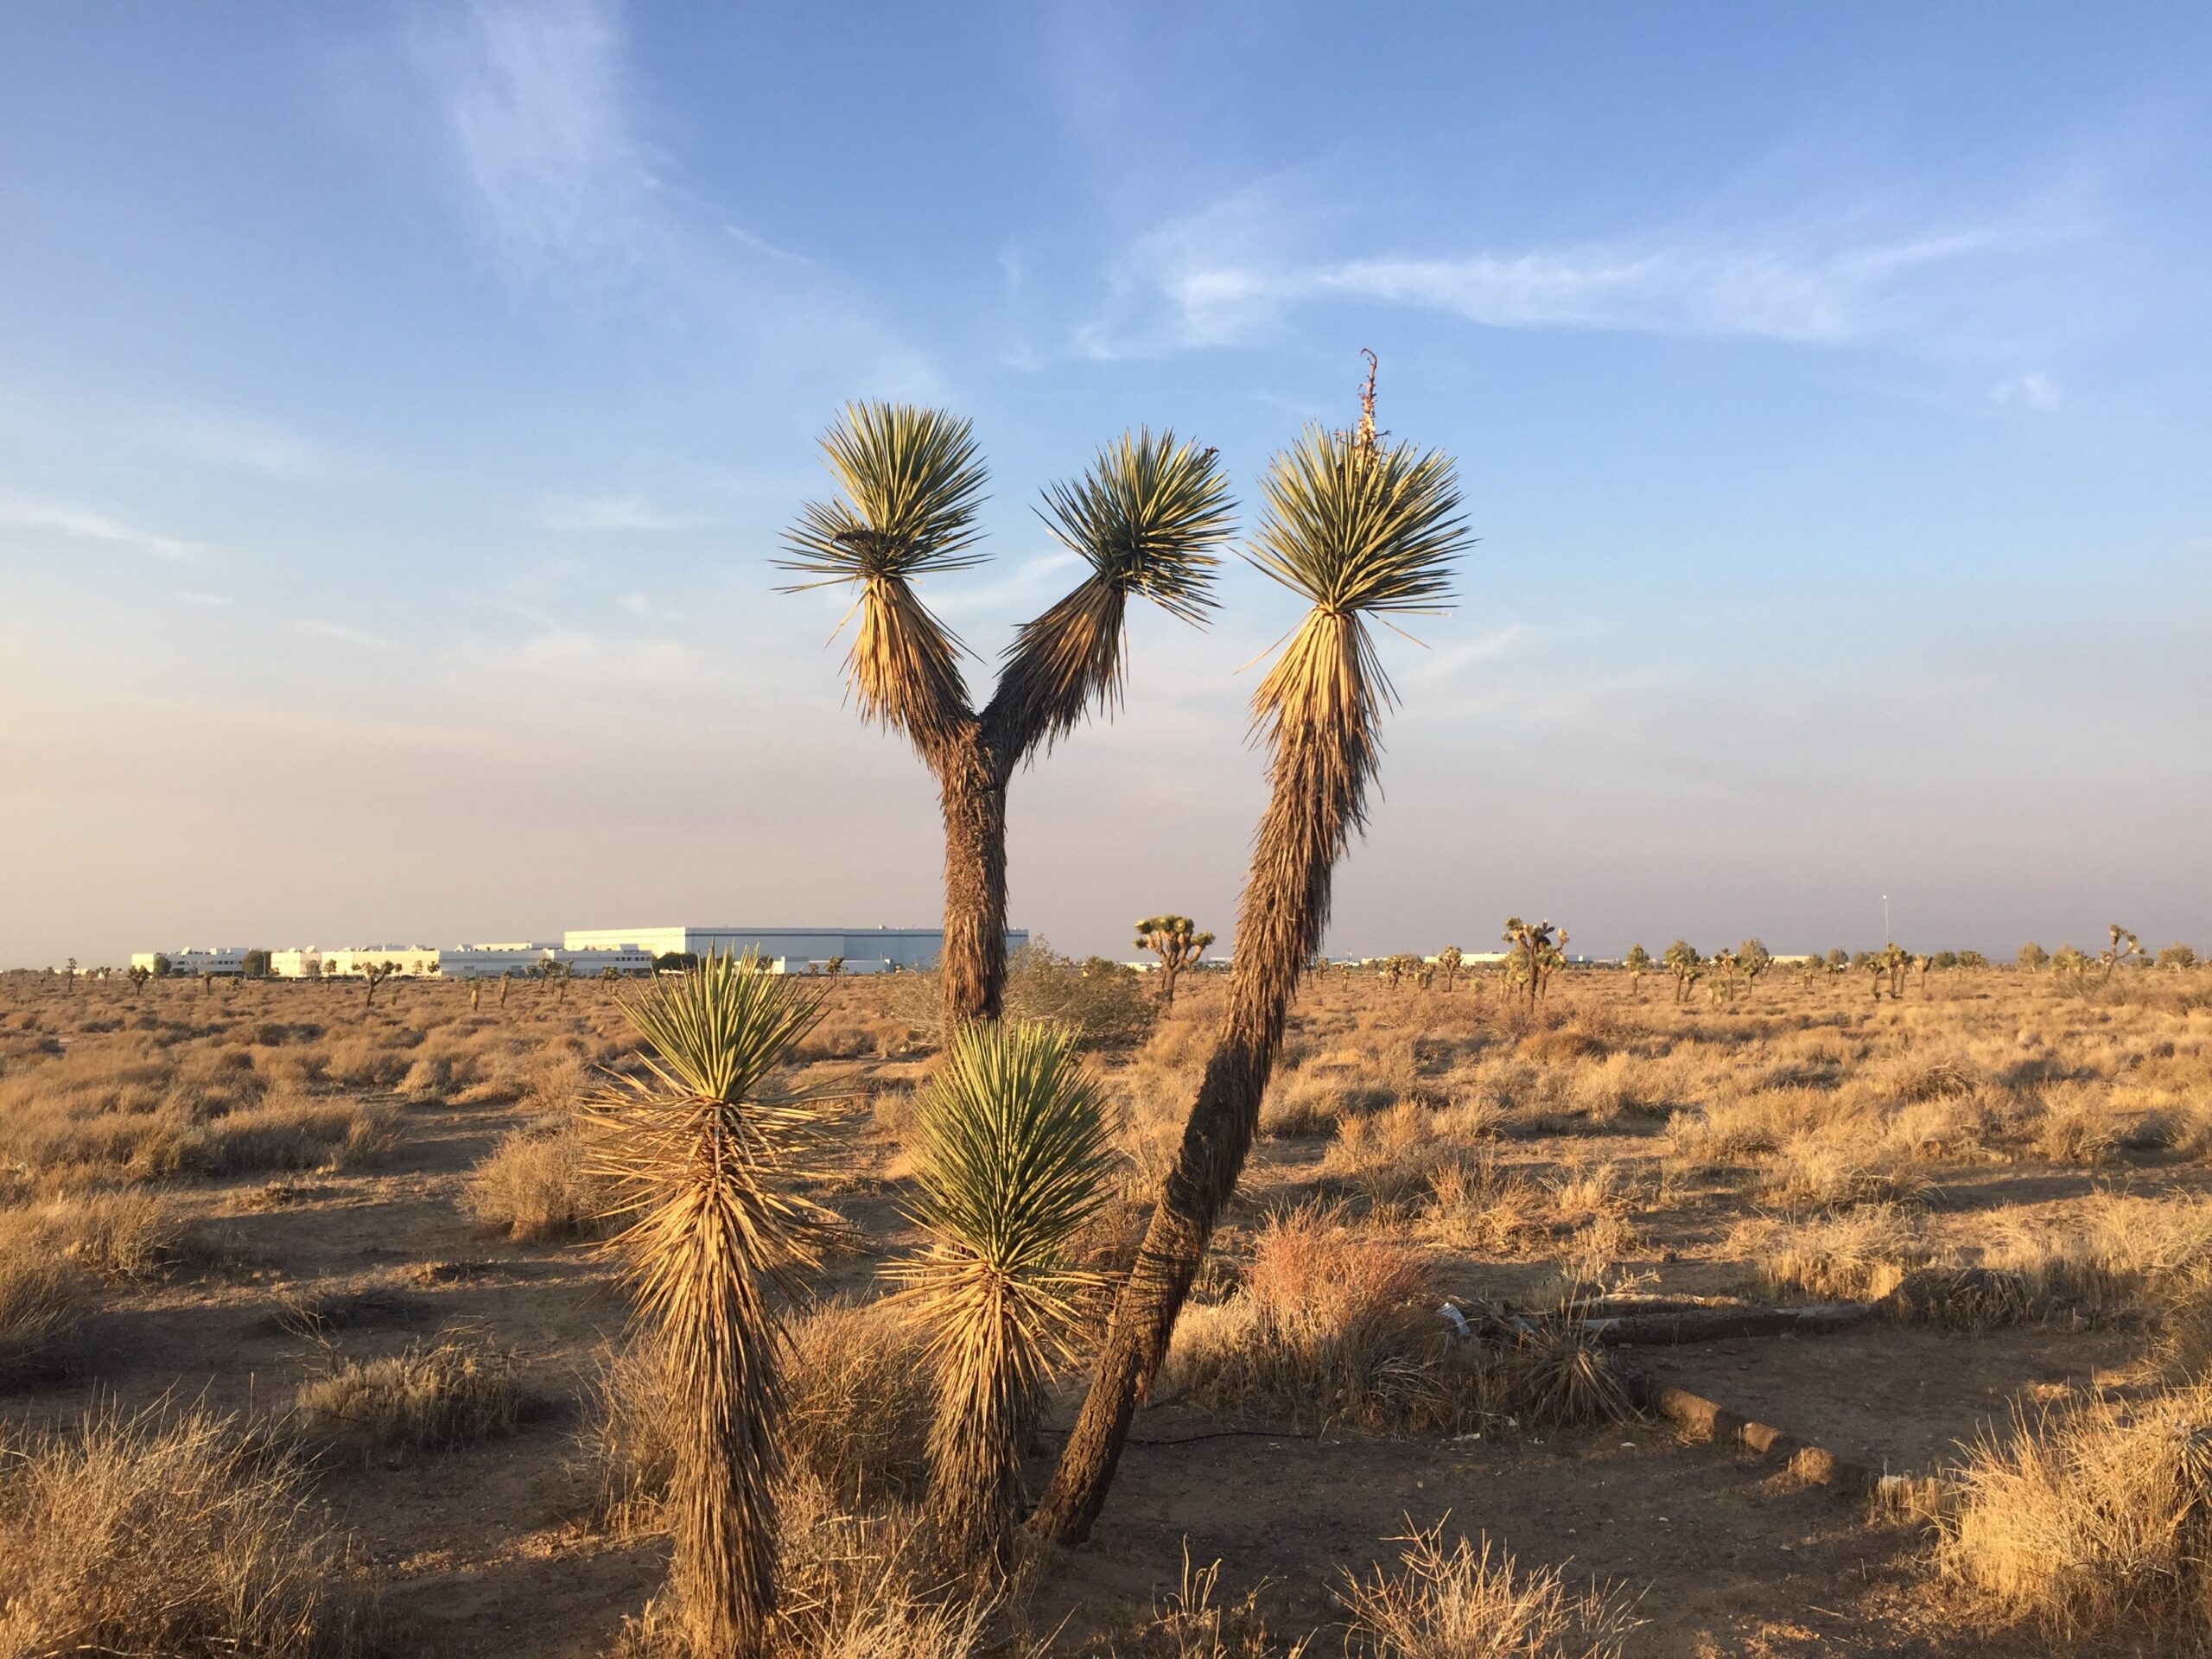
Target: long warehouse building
(786, 950)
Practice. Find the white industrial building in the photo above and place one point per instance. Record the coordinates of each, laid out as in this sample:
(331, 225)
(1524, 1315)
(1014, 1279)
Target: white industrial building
(786, 950)
(191, 962)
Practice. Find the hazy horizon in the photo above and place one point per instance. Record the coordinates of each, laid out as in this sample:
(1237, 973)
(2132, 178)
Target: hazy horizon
(399, 407)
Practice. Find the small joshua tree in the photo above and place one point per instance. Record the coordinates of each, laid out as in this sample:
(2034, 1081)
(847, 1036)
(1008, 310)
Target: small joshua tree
(1639, 963)
(1011, 1154)
(1753, 959)
(2069, 961)
(1534, 952)
(2177, 957)
(2033, 957)
(704, 1152)
(138, 975)
(1687, 967)
(1178, 943)
(2123, 946)
(1895, 959)
(1449, 960)
(376, 973)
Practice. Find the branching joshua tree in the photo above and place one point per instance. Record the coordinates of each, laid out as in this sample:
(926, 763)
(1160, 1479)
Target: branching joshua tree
(703, 1151)
(1687, 967)
(1639, 963)
(1011, 1156)
(1534, 950)
(1359, 528)
(1146, 518)
(138, 975)
(376, 973)
(1178, 943)
(2123, 946)
(1449, 960)
(1753, 959)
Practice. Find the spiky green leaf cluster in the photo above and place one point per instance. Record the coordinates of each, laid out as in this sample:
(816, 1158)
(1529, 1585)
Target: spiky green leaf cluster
(1010, 1146)
(910, 482)
(1147, 517)
(1356, 528)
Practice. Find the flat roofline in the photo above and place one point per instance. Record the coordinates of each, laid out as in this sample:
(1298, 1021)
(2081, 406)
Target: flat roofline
(763, 932)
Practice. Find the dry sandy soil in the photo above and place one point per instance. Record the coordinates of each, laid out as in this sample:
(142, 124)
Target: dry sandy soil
(1620, 1142)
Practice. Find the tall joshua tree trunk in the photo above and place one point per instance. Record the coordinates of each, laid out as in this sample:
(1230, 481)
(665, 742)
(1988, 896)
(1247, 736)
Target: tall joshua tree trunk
(1356, 527)
(971, 789)
(1278, 928)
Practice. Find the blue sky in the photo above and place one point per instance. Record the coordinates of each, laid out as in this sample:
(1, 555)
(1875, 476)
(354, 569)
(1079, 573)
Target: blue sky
(399, 406)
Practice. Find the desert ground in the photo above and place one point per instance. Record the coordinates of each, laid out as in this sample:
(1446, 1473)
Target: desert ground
(305, 1305)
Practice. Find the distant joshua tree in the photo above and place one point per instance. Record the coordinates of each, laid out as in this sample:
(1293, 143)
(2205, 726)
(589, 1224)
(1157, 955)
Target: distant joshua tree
(2177, 956)
(376, 973)
(2033, 957)
(71, 982)
(1533, 953)
(1146, 518)
(138, 974)
(2069, 961)
(1639, 963)
(1687, 967)
(1178, 944)
(1449, 960)
(1753, 959)
(2123, 946)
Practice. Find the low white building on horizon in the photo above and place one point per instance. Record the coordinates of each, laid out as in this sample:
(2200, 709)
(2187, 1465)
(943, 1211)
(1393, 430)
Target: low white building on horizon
(786, 950)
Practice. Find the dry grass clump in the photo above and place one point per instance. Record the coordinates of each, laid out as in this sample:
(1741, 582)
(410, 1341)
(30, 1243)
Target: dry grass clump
(1326, 1327)
(42, 1297)
(537, 1186)
(1860, 1255)
(2074, 1124)
(1318, 1102)
(448, 1394)
(1836, 1170)
(1478, 1207)
(114, 1236)
(2095, 1525)
(856, 1415)
(165, 1534)
(1469, 1603)
(1388, 1156)
(851, 1585)
(2113, 1253)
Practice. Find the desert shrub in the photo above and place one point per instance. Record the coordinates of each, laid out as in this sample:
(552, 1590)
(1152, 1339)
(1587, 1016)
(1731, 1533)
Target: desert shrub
(126, 1234)
(1469, 1603)
(1477, 1206)
(2114, 1254)
(534, 1185)
(1836, 1170)
(378, 1062)
(1858, 1256)
(1387, 1156)
(431, 1397)
(165, 1534)
(1318, 1102)
(1109, 1003)
(42, 1299)
(856, 1403)
(2093, 1525)
(2076, 1125)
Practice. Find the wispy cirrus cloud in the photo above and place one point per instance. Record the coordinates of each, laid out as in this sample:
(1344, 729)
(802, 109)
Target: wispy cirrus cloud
(1238, 272)
(613, 512)
(80, 524)
(548, 125)
(2034, 390)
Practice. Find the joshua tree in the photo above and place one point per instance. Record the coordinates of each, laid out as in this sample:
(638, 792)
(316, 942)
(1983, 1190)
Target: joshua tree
(1533, 954)
(1178, 943)
(506, 983)
(70, 984)
(2033, 956)
(138, 975)
(2070, 960)
(376, 973)
(1895, 959)
(1450, 960)
(1722, 987)
(835, 966)
(1753, 959)
(1145, 519)
(702, 1151)
(1011, 1156)
(2177, 956)
(1686, 965)
(1639, 963)
(1358, 528)
(475, 993)
(2122, 947)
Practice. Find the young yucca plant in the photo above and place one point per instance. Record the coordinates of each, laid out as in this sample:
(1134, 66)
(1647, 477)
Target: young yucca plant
(1011, 1156)
(702, 1151)
(1145, 519)
(1359, 529)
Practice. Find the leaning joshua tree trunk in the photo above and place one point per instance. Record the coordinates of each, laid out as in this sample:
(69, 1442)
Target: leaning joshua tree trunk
(1355, 527)
(1144, 518)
